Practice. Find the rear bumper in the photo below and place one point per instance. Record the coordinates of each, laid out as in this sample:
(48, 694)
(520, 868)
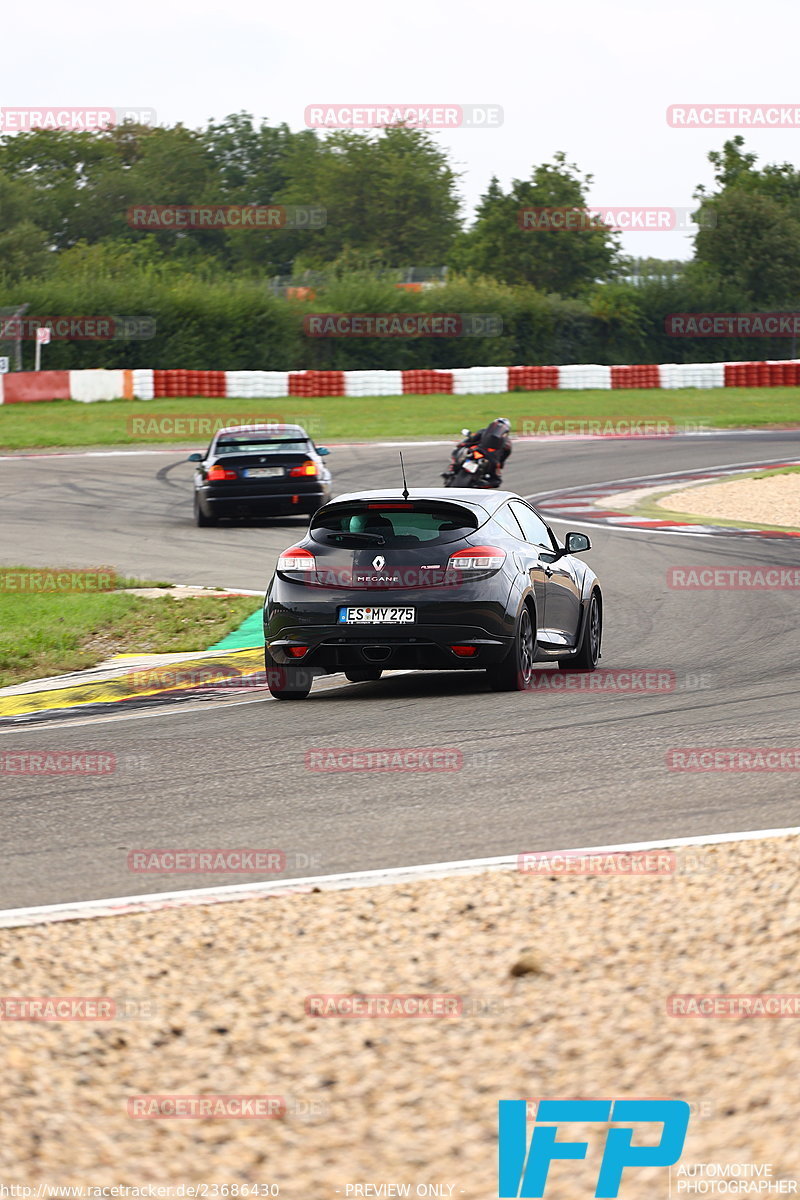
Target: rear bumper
(428, 648)
(304, 498)
(475, 613)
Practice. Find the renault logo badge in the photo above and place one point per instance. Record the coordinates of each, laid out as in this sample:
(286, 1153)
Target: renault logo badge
(379, 562)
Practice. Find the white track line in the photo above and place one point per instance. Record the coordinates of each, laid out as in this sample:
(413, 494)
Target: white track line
(192, 897)
(537, 437)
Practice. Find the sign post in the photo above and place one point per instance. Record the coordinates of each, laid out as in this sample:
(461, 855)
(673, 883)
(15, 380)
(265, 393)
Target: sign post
(42, 339)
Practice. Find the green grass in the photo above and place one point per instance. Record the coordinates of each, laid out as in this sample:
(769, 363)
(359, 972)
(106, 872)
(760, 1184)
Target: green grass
(63, 423)
(775, 471)
(46, 634)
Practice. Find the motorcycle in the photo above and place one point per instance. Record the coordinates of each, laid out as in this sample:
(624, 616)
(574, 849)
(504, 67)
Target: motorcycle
(469, 467)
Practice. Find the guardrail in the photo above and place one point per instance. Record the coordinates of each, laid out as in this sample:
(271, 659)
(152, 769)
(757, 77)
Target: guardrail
(88, 386)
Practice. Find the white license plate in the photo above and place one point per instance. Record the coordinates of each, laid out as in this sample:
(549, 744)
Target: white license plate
(262, 472)
(376, 616)
(471, 466)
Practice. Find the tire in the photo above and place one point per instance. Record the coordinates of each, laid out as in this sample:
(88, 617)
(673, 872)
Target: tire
(363, 675)
(200, 517)
(464, 479)
(514, 673)
(589, 649)
(286, 683)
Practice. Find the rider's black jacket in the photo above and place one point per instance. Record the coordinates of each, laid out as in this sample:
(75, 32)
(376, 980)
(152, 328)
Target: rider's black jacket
(496, 449)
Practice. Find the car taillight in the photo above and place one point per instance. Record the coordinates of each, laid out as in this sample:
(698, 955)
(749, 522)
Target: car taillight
(297, 559)
(306, 468)
(477, 558)
(216, 473)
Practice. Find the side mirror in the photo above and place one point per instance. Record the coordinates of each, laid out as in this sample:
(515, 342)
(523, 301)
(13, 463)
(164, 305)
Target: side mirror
(195, 458)
(576, 543)
(323, 450)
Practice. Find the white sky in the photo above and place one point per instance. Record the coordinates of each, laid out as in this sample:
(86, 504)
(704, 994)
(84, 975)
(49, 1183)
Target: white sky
(589, 78)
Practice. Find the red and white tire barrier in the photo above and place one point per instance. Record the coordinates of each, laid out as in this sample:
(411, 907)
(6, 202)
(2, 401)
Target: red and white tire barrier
(147, 384)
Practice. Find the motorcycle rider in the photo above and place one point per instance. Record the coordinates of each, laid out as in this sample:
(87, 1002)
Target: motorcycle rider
(494, 441)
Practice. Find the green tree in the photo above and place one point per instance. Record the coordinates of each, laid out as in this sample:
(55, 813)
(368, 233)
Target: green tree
(23, 245)
(556, 261)
(390, 196)
(749, 234)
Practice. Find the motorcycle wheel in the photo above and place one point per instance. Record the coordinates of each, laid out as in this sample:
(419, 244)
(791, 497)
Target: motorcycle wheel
(464, 479)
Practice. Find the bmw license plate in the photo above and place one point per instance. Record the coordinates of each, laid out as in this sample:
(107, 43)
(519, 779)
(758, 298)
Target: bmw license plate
(376, 616)
(262, 472)
(471, 466)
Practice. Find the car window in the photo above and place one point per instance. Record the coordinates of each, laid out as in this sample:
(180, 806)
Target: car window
(508, 522)
(533, 527)
(262, 446)
(412, 523)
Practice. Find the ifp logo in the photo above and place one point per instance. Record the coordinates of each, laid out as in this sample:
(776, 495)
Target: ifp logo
(522, 1170)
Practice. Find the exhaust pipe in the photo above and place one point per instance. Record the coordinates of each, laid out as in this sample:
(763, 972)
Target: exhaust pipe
(376, 654)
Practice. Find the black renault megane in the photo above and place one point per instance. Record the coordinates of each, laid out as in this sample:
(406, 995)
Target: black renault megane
(429, 579)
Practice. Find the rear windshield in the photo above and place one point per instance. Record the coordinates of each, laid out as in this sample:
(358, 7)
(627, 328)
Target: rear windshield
(262, 446)
(397, 524)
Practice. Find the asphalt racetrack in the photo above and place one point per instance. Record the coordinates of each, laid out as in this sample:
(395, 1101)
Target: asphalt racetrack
(542, 770)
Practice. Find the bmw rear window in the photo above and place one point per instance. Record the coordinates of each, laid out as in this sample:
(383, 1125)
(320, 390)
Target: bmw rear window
(262, 446)
(393, 523)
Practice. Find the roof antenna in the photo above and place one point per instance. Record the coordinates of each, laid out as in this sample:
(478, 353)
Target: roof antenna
(403, 469)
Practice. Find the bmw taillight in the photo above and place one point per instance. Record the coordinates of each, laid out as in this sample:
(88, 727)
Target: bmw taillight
(217, 473)
(297, 559)
(477, 558)
(305, 468)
